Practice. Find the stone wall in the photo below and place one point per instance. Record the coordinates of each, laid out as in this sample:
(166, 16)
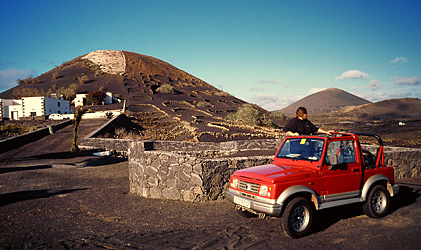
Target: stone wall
(185, 175)
(200, 171)
(406, 161)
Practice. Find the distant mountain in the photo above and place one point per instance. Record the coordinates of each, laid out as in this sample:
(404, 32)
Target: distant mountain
(392, 109)
(325, 101)
(168, 102)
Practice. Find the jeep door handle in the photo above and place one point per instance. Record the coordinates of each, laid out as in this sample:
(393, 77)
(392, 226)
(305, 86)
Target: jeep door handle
(355, 170)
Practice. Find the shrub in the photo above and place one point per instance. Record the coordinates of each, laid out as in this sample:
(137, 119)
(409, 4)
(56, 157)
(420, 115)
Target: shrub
(56, 75)
(67, 93)
(28, 81)
(27, 92)
(82, 79)
(249, 115)
(95, 98)
(279, 116)
(202, 104)
(167, 89)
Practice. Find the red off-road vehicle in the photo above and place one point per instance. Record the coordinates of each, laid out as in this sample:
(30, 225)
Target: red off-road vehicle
(315, 172)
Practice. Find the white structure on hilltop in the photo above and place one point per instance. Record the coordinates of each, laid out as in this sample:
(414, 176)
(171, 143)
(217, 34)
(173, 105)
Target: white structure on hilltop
(38, 106)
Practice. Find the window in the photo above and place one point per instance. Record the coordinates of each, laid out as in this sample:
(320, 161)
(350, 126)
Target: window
(344, 150)
(301, 148)
(58, 104)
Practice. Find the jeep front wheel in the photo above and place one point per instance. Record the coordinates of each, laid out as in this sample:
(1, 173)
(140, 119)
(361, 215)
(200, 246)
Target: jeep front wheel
(297, 218)
(377, 202)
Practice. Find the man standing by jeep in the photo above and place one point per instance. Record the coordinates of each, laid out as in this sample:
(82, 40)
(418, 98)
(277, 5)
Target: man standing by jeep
(299, 125)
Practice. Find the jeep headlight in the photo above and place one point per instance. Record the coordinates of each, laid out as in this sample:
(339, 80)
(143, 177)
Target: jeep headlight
(263, 190)
(234, 183)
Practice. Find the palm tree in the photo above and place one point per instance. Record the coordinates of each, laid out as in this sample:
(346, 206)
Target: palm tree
(78, 116)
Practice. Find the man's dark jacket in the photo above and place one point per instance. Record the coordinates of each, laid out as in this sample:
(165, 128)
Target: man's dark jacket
(303, 127)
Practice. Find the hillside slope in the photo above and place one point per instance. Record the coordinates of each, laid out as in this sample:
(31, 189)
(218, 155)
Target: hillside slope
(167, 102)
(324, 101)
(392, 109)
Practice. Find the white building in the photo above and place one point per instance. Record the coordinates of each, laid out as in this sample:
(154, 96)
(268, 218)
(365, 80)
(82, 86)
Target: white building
(80, 100)
(109, 98)
(10, 109)
(32, 107)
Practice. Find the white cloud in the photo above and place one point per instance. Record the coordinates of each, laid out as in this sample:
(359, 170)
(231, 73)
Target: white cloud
(413, 81)
(376, 96)
(399, 60)
(374, 85)
(9, 76)
(273, 102)
(352, 74)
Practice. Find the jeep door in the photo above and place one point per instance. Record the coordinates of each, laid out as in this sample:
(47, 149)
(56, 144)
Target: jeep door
(343, 179)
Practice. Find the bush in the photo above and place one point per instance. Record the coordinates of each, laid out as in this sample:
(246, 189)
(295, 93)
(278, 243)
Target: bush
(28, 81)
(82, 79)
(202, 104)
(67, 93)
(167, 89)
(249, 115)
(95, 98)
(279, 116)
(27, 92)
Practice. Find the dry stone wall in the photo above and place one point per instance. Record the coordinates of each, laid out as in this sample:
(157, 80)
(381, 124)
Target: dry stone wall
(200, 171)
(406, 161)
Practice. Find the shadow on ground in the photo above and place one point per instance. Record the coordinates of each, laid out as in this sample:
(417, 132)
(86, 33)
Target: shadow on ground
(17, 169)
(10, 198)
(327, 217)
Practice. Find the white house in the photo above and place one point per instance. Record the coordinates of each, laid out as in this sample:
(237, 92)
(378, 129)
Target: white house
(109, 98)
(44, 106)
(33, 106)
(11, 109)
(80, 100)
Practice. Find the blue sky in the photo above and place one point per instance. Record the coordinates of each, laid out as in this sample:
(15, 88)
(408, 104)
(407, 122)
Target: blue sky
(271, 53)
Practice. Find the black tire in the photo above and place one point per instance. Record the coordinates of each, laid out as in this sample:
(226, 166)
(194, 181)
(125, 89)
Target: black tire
(377, 203)
(297, 218)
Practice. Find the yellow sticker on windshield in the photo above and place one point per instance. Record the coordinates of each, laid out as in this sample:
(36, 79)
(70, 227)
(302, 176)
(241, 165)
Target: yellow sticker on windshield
(303, 141)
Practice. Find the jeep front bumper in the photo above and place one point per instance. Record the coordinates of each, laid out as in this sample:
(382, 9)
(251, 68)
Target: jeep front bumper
(255, 203)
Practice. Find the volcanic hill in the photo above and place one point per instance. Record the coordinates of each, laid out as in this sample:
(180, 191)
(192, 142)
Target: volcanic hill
(162, 101)
(393, 109)
(325, 101)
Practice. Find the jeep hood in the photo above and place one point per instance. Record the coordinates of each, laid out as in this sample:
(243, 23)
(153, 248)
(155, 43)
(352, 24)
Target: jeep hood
(273, 173)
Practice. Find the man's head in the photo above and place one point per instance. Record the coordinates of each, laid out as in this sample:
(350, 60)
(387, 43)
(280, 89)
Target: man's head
(301, 113)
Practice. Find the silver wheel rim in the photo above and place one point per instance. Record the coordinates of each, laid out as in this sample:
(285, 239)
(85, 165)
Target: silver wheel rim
(300, 218)
(378, 202)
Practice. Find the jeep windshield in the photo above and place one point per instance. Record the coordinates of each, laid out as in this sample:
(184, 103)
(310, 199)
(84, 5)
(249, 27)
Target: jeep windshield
(302, 149)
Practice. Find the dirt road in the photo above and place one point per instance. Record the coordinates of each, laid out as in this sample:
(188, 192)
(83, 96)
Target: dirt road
(54, 199)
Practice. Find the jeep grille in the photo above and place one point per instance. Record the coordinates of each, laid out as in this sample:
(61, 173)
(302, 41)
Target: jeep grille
(248, 187)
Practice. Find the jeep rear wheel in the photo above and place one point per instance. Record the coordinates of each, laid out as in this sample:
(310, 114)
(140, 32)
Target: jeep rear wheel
(297, 218)
(377, 202)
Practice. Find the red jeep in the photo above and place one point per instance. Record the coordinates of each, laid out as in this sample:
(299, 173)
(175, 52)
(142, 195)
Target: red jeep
(314, 172)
